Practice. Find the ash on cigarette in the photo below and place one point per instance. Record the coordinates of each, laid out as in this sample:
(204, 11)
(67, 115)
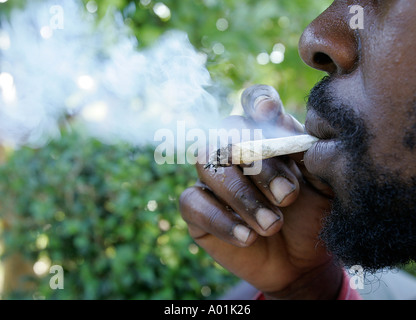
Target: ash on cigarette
(220, 158)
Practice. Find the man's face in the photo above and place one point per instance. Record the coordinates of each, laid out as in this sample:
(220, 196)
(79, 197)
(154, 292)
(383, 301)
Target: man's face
(366, 112)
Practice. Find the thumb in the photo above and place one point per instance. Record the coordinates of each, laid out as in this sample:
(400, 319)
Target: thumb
(263, 106)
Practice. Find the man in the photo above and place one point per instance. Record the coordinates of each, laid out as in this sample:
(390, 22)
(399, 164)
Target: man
(350, 199)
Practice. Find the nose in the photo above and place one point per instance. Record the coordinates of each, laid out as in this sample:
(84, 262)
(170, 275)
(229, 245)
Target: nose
(329, 44)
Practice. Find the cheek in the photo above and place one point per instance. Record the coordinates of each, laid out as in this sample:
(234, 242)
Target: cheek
(392, 144)
(387, 59)
(388, 72)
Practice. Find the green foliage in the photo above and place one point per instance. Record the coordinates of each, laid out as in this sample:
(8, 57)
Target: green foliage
(109, 215)
(6, 7)
(232, 34)
(410, 268)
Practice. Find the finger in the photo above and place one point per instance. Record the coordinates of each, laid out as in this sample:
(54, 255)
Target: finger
(277, 181)
(238, 191)
(262, 105)
(278, 177)
(206, 216)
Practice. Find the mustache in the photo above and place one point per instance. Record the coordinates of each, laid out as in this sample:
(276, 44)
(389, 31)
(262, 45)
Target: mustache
(319, 97)
(348, 125)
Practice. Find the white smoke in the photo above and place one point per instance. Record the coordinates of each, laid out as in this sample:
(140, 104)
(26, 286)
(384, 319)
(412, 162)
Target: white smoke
(56, 61)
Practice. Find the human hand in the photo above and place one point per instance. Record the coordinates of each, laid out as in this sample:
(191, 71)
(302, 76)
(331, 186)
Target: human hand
(264, 228)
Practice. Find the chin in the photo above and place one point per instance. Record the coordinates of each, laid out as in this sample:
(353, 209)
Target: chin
(372, 222)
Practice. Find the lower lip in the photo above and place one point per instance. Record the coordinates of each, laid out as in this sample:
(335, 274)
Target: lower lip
(320, 159)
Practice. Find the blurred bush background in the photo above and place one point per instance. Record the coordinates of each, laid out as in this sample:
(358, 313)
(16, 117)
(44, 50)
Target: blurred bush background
(108, 214)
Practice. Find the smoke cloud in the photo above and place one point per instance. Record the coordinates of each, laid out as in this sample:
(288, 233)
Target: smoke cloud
(56, 62)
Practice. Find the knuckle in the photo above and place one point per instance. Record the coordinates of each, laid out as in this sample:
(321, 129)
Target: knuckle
(186, 199)
(200, 213)
(239, 189)
(214, 215)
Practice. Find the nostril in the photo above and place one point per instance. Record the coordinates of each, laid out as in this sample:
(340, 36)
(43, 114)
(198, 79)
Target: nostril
(329, 44)
(322, 59)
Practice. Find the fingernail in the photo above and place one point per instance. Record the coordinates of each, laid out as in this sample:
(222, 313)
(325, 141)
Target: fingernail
(241, 233)
(281, 188)
(266, 218)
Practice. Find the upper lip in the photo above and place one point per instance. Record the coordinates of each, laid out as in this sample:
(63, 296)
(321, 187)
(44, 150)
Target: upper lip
(319, 127)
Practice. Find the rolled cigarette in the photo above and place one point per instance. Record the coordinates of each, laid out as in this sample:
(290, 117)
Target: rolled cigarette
(250, 151)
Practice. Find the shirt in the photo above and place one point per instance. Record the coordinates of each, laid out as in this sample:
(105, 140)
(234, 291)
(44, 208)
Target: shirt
(346, 292)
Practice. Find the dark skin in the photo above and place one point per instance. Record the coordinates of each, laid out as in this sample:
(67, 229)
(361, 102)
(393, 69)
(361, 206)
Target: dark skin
(265, 228)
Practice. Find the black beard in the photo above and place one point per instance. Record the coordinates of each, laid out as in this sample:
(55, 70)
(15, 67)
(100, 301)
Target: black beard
(374, 226)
